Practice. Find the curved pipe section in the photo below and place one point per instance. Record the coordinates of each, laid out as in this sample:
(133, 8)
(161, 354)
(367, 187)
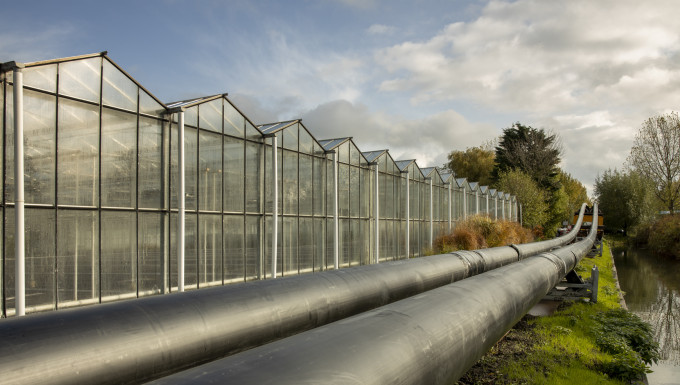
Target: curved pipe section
(528, 249)
(431, 338)
(141, 339)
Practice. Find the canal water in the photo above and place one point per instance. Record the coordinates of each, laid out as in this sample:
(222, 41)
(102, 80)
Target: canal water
(652, 291)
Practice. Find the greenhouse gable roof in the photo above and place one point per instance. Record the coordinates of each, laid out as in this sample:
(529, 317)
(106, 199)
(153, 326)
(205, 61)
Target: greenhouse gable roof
(371, 156)
(332, 144)
(273, 128)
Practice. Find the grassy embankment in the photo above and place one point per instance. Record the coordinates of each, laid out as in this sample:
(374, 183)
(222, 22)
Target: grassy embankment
(581, 343)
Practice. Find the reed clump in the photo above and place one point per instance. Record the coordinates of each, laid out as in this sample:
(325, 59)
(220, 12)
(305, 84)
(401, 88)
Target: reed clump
(479, 232)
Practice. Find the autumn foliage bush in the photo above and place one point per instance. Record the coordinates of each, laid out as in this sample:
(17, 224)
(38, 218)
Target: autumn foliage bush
(479, 232)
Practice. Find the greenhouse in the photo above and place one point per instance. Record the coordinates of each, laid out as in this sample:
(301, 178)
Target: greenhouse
(125, 196)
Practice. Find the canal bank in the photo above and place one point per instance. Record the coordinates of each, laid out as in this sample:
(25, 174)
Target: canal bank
(582, 342)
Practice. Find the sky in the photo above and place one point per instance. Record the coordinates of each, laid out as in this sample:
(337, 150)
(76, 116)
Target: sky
(418, 77)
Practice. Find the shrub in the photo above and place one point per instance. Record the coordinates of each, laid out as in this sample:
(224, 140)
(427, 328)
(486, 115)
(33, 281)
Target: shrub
(478, 232)
(629, 340)
(664, 236)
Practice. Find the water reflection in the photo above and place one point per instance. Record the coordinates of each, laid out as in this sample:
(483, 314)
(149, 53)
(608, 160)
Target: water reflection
(652, 291)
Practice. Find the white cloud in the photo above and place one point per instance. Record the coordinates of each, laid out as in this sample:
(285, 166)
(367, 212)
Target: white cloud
(593, 71)
(380, 29)
(428, 140)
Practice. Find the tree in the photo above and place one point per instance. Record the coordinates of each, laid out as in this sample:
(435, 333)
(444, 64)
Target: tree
(656, 154)
(528, 193)
(475, 164)
(530, 150)
(626, 198)
(575, 191)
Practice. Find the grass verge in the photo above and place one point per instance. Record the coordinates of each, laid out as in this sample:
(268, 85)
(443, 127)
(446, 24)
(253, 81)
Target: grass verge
(581, 343)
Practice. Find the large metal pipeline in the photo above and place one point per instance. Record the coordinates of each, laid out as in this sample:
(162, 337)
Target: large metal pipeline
(431, 338)
(141, 339)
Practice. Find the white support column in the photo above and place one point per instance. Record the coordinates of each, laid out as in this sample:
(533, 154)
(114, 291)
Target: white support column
(275, 204)
(336, 219)
(477, 202)
(503, 207)
(19, 227)
(495, 208)
(376, 212)
(431, 213)
(450, 204)
(180, 200)
(408, 215)
(487, 203)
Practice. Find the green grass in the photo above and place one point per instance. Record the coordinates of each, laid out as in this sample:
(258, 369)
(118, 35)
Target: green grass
(567, 347)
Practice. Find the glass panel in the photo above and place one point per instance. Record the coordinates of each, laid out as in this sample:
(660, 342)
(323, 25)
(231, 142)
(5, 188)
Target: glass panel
(382, 190)
(306, 246)
(118, 255)
(190, 267)
(306, 141)
(118, 90)
(2, 187)
(191, 116)
(81, 78)
(233, 248)
(252, 247)
(355, 190)
(42, 77)
(319, 185)
(210, 249)
(330, 185)
(268, 247)
(150, 163)
(319, 244)
(366, 242)
(153, 249)
(39, 147)
(290, 137)
(210, 115)
(40, 259)
(78, 153)
(190, 249)
(330, 242)
(305, 178)
(8, 263)
(268, 179)
(234, 122)
(345, 242)
(252, 132)
(149, 105)
(343, 190)
(233, 174)
(210, 171)
(343, 152)
(190, 167)
(365, 187)
(252, 177)
(119, 158)
(78, 257)
(355, 155)
(290, 246)
(289, 191)
(355, 240)
(8, 186)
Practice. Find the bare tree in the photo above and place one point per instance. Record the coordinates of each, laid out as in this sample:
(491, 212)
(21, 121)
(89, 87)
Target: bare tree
(656, 154)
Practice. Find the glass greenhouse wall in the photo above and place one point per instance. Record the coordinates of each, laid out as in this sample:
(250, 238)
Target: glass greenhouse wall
(102, 204)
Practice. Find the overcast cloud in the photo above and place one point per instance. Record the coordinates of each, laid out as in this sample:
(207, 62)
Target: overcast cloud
(421, 78)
